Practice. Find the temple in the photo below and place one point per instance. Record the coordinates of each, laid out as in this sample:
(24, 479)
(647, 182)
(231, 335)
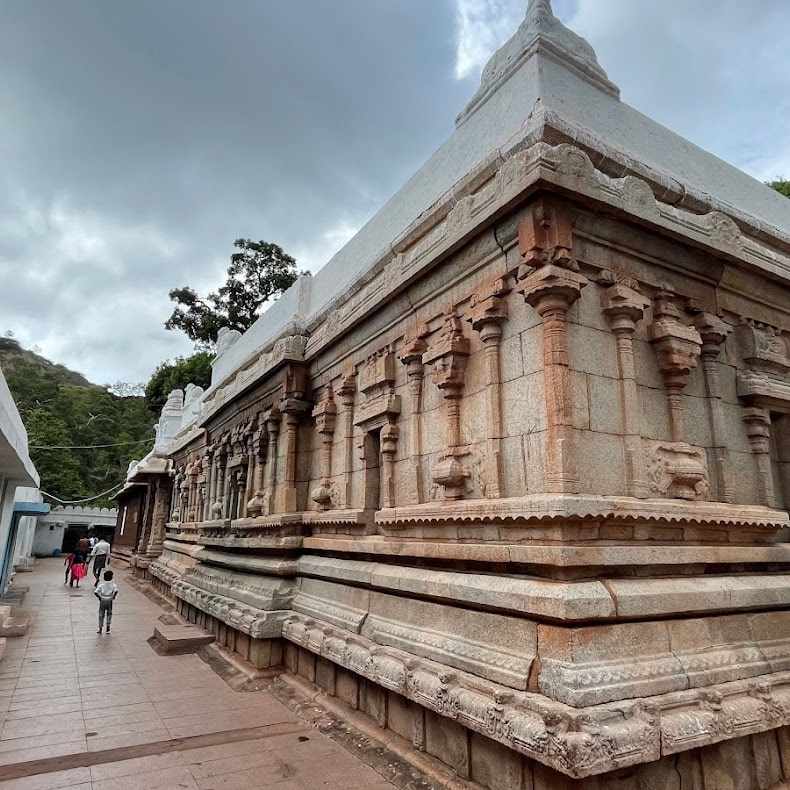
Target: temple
(510, 474)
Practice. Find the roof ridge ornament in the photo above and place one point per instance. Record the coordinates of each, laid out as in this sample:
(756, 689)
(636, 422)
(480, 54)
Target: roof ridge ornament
(540, 32)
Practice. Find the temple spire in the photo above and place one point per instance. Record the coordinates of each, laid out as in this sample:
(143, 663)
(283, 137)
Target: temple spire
(539, 8)
(541, 33)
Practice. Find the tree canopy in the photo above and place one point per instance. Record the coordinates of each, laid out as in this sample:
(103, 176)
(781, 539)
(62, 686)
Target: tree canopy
(781, 185)
(259, 272)
(61, 409)
(176, 374)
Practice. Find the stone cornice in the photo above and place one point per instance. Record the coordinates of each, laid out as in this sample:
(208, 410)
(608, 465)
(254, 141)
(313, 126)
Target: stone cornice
(505, 177)
(511, 176)
(287, 348)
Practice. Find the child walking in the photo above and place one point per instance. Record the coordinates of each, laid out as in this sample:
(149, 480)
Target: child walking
(76, 567)
(106, 591)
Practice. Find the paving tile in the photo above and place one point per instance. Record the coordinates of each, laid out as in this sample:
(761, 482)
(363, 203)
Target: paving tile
(42, 725)
(49, 781)
(137, 765)
(174, 777)
(62, 682)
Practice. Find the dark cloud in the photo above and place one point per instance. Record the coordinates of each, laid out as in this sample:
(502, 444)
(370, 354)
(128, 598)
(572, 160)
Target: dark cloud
(142, 138)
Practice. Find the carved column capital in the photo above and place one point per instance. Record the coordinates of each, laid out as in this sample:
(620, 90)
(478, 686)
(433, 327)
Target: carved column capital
(624, 307)
(677, 345)
(713, 332)
(488, 309)
(448, 355)
(552, 288)
(412, 351)
(348, 386)
(325, 413)
(758, 428)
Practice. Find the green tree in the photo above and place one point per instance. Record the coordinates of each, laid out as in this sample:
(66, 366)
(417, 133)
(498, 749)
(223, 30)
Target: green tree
(176, 374)
(61, 409)
(259, 272)
(781, 185)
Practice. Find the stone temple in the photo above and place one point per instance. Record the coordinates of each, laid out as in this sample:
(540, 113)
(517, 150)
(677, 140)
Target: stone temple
(510, 474)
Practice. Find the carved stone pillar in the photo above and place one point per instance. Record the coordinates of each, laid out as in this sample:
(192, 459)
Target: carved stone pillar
(550, 282)
(211, 474)
(249, 478)
(346, 390)
(389, 448)
(159, 517)
(414, 346)
(293, 407)
(624, 308)
(678, 349)
(175, 513)
(325, 414)
(713, 332)
(272, 419)
(488, 313)
(184, 496)
(680, 466)
(257, 503)
(202, 487)
(758, 429)
(227, 491)
(219, 486)
(448, 354)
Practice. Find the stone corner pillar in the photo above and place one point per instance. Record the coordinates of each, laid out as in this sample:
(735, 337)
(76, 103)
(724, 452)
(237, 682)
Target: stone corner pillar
(550, 282)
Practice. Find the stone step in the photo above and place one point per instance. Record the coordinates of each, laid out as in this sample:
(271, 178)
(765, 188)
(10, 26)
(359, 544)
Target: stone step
(181, 638)
(14, 626)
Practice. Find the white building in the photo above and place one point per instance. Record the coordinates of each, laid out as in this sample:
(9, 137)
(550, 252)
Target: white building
(61, 528)
(19, 482)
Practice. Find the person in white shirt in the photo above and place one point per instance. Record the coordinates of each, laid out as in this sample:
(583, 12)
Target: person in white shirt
(101, 558)
(106, 591)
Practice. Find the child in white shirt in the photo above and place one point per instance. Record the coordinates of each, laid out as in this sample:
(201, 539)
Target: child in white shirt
(106, 591)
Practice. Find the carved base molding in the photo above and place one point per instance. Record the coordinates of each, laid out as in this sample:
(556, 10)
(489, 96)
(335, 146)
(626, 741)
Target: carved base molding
(270, 566)
(476, 667)
(581, 507)
(578, 742)
(254, 622)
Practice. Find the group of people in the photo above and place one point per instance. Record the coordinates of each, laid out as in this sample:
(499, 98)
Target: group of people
(89, 548)
(98, 550)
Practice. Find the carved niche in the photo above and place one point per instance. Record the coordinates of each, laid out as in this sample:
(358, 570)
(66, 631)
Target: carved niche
(377, 416)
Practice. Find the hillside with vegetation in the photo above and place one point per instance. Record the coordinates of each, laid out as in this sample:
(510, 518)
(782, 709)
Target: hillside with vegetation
(61, 408)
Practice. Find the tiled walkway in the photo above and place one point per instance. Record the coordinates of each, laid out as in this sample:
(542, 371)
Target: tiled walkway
(64, 691)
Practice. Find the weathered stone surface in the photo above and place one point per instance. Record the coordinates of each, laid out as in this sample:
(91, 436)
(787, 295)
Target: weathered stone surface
(513, 484)
(181, 638)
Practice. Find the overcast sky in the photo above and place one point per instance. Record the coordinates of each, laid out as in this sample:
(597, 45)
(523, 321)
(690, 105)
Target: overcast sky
(139, 139)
